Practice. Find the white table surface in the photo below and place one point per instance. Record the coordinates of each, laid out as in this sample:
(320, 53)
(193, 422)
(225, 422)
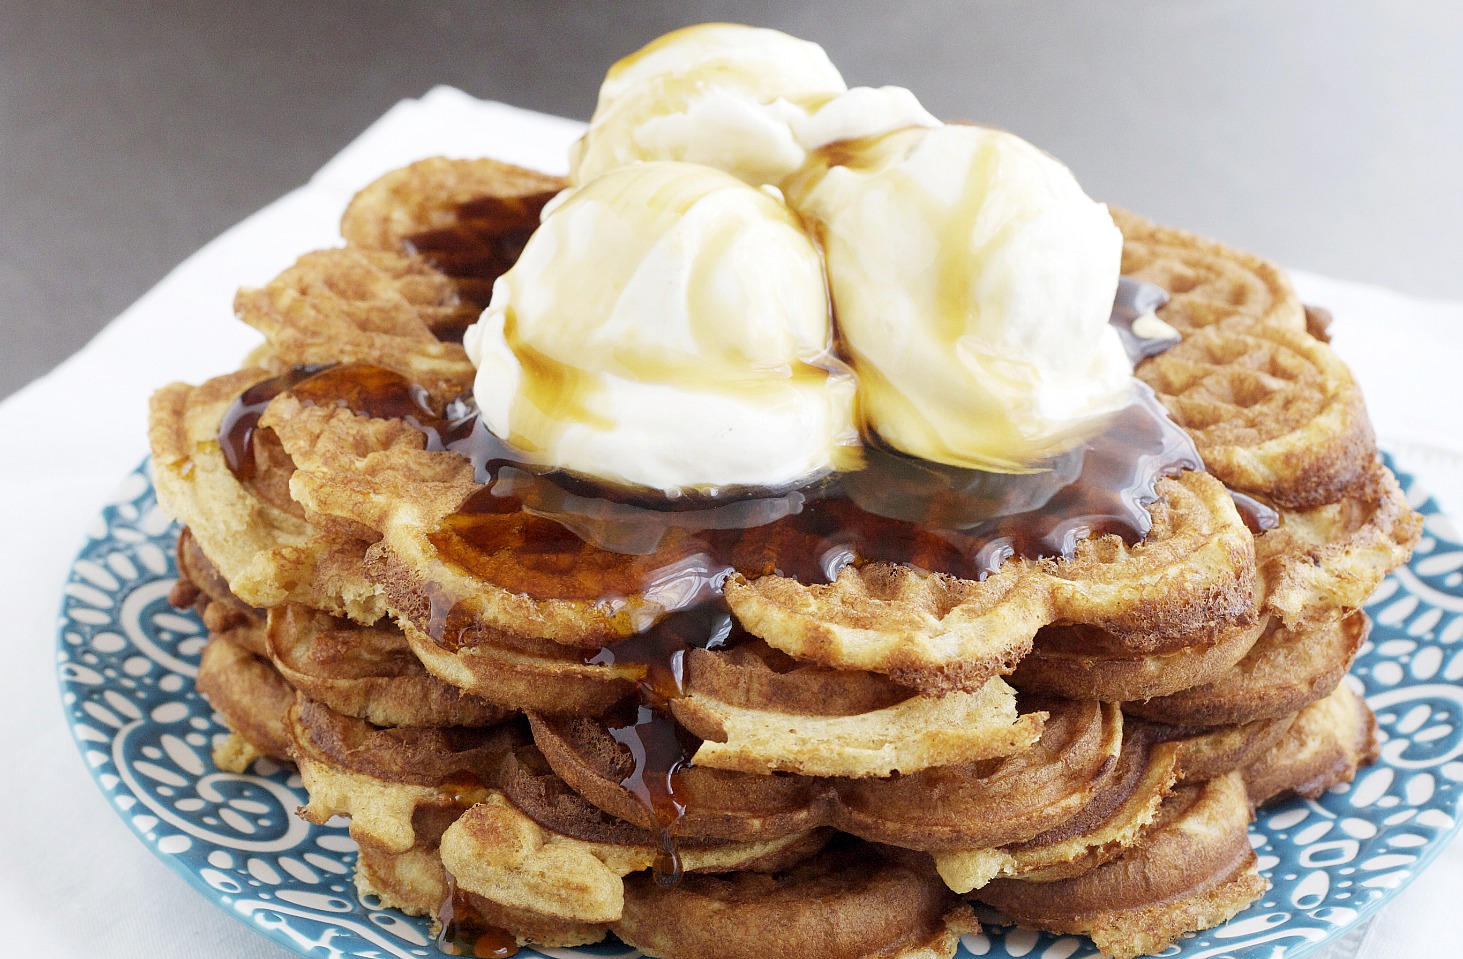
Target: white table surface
(73, 880)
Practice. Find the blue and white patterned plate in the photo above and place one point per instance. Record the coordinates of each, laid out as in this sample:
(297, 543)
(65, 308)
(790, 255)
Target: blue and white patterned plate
(127, 661)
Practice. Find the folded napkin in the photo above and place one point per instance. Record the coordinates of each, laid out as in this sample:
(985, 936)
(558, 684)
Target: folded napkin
(73, 880)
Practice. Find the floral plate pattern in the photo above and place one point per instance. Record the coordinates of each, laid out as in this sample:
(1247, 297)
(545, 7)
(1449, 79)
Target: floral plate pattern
(126, 662)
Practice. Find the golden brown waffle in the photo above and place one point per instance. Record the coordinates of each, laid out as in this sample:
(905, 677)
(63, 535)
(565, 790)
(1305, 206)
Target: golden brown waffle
(937, 634)
(1191, 870)
(1206, 752)
(1329, 740)
(719, 804)
(201, 586)
(1081, 788)
(932, 632)
(758, 710)
(367, 671)
(253, 700)
(1335, 556)
(469, 218)
(1273, 411)
(412, 881)
(1285, 671)
(397, 786)
(995, 803)
(498, 853)
(918, 733)
(1124, 802)
(845, 904)
(1080, 662)
(254, 535)
(363, 306)
(1207, 282)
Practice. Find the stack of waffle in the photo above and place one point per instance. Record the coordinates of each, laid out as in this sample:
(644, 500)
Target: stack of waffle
(720, 742)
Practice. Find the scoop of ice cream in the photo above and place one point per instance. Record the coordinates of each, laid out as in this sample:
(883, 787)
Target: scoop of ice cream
(667, 326)
(972, 281)
(746, 100)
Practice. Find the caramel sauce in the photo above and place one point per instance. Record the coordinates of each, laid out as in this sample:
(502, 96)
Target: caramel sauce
(363, 389)
(659, 747)
(464, 789)
(464, 932)
(658, 753)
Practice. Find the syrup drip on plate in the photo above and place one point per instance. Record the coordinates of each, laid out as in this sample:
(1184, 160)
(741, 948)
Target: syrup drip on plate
(464, 931)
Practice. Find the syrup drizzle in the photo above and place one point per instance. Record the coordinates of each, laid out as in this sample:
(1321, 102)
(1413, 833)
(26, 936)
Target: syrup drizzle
(896, 510)
(241, 419)
(1258, 516)
(484, 239)
(464, 932)
(659, 747)
(1134, 299)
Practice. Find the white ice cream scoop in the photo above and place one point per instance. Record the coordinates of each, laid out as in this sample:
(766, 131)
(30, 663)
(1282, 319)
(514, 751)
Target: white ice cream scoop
(972, 282)
(667, 326)
(747, 100)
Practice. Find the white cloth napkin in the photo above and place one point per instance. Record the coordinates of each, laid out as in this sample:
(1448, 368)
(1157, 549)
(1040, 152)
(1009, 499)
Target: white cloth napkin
(73, 880)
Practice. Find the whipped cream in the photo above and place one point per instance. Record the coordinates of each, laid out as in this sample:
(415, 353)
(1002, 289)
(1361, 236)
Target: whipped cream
(667, 326)
(973, 282)
(750, 101)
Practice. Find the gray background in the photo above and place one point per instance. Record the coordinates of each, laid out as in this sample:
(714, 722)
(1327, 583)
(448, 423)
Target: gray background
(1323, 133)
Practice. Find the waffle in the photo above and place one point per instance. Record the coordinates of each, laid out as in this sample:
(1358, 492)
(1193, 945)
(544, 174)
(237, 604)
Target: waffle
(467, 218)
(1325, 745)
(1208, 751)
(834, 905)
(363, 306)
(1080, 662)
(252, 532)
(980, 804)
(1191, 870)
(532, 734)
(908, 625)
(253, 700)
(1285, 671)
(366, 671)
(1118, 810)
(398, 786)
(573, 872)
(1207, 282)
